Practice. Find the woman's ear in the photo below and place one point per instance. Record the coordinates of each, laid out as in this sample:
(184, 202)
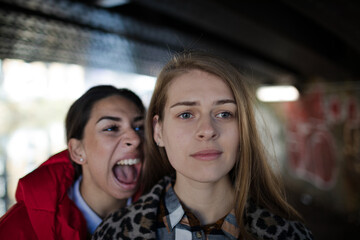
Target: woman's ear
(76, 151)
(157, 131)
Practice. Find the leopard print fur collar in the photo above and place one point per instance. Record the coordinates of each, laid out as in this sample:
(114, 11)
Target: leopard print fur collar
(138, 221)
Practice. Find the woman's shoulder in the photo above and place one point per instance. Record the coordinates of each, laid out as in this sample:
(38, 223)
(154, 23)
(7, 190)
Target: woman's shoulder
(261, 222)
(53, 178)
(9, 224)
(136, 220)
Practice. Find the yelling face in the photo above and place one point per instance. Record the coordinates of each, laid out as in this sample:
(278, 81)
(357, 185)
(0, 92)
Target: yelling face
(112, 149)
(199, 129)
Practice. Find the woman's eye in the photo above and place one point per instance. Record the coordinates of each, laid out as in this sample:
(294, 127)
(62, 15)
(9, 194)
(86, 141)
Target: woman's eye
(185, 115)
(224, 115)
(139, 130)
(111, 129)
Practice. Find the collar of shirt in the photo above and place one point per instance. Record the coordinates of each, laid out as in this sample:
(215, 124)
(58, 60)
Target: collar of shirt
(176, 214)
(92, 219)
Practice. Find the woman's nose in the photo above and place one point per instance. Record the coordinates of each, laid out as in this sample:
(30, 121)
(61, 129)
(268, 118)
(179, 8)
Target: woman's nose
(132, 138)
(206, 129)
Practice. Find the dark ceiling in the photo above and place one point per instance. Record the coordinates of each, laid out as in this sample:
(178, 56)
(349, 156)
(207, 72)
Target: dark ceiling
(273, 41)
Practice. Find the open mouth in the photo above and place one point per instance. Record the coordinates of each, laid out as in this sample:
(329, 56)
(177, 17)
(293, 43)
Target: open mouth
(127, 171)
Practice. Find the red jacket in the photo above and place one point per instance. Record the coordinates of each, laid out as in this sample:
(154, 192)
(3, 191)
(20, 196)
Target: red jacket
(43, 209)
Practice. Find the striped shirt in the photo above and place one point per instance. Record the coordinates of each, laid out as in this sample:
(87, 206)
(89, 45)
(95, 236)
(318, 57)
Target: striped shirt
(175, 221)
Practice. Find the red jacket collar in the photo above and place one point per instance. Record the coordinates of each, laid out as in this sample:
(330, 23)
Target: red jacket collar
(43, 188)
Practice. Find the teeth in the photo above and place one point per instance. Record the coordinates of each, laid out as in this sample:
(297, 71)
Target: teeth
(128, 161)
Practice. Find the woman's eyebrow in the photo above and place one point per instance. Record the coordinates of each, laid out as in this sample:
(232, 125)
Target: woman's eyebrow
(194, 103)
(139, 118)
(109, 118)
(224, 101)
(184, 103)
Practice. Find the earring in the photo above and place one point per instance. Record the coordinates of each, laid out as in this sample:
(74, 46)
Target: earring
(81, 159)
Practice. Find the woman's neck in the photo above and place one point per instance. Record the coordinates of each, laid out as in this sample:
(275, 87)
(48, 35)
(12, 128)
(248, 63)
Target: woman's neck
(208, 201)
(101, 203)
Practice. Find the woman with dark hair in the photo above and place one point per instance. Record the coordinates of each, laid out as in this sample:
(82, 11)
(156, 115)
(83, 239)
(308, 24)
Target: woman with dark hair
(70, 193)
(206, 173)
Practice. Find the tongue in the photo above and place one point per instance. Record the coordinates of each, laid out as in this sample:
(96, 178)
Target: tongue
(125, 174)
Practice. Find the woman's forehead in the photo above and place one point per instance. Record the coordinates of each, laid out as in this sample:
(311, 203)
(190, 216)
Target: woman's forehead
(197, 85)
(116, 104)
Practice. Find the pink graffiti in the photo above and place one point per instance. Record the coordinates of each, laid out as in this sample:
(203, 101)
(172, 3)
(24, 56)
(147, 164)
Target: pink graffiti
(311, 146)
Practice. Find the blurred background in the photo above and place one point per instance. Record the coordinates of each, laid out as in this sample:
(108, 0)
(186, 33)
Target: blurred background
(51, 51)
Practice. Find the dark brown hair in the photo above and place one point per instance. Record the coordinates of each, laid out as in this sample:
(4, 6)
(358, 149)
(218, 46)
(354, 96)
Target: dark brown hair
(80, 111)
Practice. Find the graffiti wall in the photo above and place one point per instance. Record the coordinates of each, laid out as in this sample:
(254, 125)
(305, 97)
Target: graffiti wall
(321, 155)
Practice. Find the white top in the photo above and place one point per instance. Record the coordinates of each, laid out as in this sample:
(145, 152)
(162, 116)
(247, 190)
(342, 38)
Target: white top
(92, 219)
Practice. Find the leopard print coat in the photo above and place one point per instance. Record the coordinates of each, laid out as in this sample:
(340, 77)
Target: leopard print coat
(138, 221)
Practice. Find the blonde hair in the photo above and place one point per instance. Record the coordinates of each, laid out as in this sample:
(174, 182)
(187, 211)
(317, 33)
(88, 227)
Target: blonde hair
(251, 176)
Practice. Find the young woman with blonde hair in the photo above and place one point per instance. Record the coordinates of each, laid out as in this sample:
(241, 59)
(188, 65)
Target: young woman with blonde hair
(206, 175)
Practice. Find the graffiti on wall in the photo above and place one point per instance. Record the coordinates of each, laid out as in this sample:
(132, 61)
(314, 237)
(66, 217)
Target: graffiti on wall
(323, 133)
